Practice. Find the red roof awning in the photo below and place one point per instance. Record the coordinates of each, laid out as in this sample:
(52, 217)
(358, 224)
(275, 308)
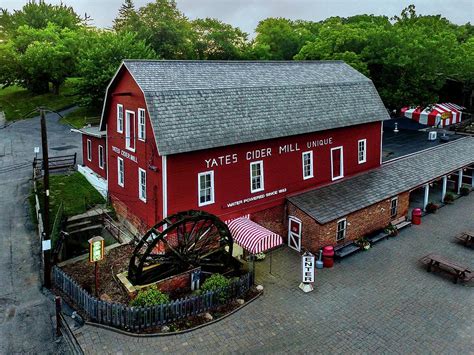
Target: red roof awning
(253, 237)
(441, 115)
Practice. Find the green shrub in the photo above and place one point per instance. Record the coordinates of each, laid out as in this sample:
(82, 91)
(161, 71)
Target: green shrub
(431, 207)
(449, 197)
(465, 190)
(149, 297)
(217, 282)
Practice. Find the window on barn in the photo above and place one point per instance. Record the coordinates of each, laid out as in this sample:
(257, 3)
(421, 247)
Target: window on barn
(307, 165)
(256, 176)
(142, 184)
(120, 172)
(206, 188)
(101, 157)
(394, 207)
(341, 229)
(119, 118)
(141, 124)
(337, 163)
(89, 150)
(130, 130)
(362, 151)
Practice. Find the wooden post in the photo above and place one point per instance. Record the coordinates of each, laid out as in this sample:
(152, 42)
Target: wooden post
(459, 181)
(445, 185)
(426, 197)
(46, 242)
(58, 315)
(96, 273)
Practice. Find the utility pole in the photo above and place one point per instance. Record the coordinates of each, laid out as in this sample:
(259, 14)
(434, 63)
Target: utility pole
(46, 242)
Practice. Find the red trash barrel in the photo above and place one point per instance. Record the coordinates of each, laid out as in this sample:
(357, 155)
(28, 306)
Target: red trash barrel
(416, 216)
(328, 256)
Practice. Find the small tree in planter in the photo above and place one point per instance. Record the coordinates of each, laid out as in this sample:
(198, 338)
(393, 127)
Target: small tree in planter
(449, 198)
(465, 190)
(432, 207)
(363, 243)
(391, 230)
(217, 282)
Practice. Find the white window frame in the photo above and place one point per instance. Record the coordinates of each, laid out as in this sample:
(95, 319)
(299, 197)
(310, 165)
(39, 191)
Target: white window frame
(341, 163)
(344, 230)
(128, 137)
(101, 157)
(262, 181)
(394, 208)
(311, 170)
(141, 185)
(364, 152)
(120, 172)
(211, 201)
(119, 118)
(141, 124)
(89, 150)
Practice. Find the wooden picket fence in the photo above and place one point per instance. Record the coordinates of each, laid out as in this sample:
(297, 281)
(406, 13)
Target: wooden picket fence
(141, 318)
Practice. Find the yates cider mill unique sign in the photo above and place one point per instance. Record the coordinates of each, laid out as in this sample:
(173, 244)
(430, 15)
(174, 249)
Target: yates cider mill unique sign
(230, 159)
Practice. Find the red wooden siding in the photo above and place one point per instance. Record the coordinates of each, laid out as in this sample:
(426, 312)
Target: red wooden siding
(93, 164)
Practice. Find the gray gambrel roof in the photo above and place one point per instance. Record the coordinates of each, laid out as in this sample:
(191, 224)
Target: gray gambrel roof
(335, 201)
(196, 105)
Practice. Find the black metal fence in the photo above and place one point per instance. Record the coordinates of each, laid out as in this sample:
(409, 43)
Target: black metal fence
(140, 318)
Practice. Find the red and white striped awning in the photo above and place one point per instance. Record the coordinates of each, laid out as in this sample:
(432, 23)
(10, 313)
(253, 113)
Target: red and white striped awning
(440, 115)
(251, 236)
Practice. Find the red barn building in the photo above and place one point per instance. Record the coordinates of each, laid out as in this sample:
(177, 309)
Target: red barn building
(244, 139)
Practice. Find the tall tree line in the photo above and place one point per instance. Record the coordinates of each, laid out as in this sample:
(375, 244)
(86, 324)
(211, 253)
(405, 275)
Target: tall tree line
(409, 57)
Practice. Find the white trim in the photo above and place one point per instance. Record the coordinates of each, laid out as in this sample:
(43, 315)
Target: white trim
(341, 163)
(120, 106)
(212, 200)
(345, 229)
(128, 137)
(381, 142)
(291, 235)
(89, 150)
(107, 92)
(311, 164)
(364, 159)
(164, 185)
(140, 110)
(262, 180)
(120, 173)
(140, 171)
(101, 156)
(97, 181)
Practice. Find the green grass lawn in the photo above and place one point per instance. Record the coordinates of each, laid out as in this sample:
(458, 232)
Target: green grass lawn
(74, 191)
(82, 116)
(17, 103)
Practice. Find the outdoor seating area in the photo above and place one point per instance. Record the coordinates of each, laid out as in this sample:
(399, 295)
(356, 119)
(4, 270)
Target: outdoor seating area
(459, 271)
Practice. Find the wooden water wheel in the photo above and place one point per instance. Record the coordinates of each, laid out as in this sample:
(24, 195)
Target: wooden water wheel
(178, 243)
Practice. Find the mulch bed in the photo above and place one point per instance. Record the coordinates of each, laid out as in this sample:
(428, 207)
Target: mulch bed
(115, 262)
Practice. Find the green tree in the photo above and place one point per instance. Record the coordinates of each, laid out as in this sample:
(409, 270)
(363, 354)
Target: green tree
(163, 27)
(127, 17)
(100, 58)
(214, 39)
(37, 15)
(39, 57)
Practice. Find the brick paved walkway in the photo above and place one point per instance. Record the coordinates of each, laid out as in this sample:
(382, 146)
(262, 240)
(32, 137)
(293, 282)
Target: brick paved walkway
(377, 301)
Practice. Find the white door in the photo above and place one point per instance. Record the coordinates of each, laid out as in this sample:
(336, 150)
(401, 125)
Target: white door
(294, 233)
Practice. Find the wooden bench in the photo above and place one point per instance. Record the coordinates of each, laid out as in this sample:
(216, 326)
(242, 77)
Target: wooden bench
(467, 238)
(401, 222)
(346, 248)
(460, 272)
(374, 238)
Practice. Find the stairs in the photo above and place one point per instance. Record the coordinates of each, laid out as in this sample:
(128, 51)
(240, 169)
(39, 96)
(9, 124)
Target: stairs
(86, 222)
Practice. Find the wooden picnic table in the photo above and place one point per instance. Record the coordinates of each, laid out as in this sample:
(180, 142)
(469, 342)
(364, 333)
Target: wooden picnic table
(460, 272)
(467, 238)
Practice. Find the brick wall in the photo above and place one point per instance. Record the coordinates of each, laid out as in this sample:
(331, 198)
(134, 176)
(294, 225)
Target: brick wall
(274, 219)
(359, 223)
(132, 222)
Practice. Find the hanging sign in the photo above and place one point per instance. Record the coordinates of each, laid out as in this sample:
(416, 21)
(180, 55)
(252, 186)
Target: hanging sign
(96, 249)
(445, 115)
(308, 267)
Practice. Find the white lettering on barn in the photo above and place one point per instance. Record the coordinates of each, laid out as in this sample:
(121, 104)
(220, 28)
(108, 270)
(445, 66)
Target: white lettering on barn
(124, 154)
(319, 142)
(256, 198)
(222, 160)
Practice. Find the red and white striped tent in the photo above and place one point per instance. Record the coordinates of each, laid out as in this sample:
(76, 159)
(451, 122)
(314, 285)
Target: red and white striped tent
(251, 236)
(439, 115)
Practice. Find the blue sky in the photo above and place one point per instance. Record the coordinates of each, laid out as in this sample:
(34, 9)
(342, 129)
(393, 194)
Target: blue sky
(247, 13)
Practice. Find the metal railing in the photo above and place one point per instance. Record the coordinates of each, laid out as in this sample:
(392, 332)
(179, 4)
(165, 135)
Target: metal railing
(140, 318)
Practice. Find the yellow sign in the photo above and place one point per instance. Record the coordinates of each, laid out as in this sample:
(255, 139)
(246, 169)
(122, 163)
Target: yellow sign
(445, 115)
(96, 249)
